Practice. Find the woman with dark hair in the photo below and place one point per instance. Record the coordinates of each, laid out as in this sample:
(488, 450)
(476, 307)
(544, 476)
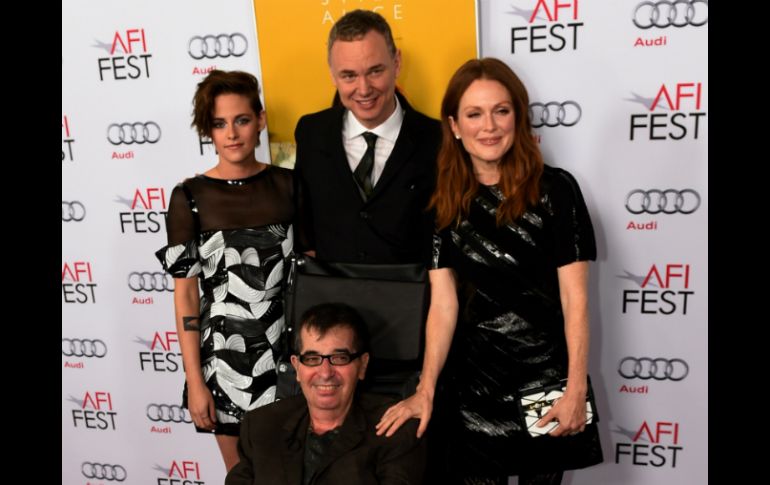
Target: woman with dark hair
(229, 231)
(509, 291)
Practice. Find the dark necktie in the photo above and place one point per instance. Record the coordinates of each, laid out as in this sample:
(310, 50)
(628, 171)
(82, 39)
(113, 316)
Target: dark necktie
(363, 172)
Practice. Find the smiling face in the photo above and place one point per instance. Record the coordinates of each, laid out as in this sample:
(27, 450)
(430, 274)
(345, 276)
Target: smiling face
(329, 388)
(485, 121)
(235, 129)
(364, 72)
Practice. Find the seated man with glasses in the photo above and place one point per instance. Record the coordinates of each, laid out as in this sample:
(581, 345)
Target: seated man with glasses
(327, 435)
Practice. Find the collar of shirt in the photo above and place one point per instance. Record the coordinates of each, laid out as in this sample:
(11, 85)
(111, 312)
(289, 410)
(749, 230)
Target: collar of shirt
(388, 130)
(355, 145)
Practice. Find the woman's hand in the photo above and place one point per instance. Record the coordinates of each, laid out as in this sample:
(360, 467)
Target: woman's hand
(569, 412)
(200, 403)
(419, 405)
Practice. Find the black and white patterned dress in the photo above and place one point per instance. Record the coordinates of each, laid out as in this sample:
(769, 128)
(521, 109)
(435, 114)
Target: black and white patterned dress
(234, 235)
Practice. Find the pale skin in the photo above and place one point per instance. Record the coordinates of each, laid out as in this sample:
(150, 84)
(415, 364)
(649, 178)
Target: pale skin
(485, 124)
(235, 135)
(364, 73)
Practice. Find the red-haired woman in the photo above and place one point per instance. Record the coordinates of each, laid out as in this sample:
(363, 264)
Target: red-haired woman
(509, 291)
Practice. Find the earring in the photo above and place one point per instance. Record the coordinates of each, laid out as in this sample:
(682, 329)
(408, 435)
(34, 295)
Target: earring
(457, 136)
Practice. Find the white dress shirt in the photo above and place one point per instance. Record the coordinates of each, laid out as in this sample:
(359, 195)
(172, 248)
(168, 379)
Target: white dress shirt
(355, 144)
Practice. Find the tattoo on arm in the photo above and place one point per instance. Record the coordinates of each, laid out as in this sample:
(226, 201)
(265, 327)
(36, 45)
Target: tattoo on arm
(191, 324)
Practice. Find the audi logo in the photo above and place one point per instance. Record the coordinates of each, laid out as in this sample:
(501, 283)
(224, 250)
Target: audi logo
(130, 133)
(102, 471)
(76, 347)
(168, 413)
(72, 211)
(554, 113)
(668, 201)
(679, 13)
(659, 369)
(150, 281)
(222, 45)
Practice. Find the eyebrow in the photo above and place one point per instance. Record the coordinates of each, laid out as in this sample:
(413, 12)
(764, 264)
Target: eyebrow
(504, 103)
(369, 69)
(236, 116)
(335, 351)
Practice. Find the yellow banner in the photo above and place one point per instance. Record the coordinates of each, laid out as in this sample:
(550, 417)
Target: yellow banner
(435, 38)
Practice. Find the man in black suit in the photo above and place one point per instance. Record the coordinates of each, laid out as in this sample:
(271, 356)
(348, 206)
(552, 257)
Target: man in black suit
(327, 435)
(365, 168)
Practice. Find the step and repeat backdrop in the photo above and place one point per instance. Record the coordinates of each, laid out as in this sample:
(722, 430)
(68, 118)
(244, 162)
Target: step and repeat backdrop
(619, 97)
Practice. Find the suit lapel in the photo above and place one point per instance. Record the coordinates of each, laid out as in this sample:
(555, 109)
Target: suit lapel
(332, 149)
(402, 150)
(293, 450)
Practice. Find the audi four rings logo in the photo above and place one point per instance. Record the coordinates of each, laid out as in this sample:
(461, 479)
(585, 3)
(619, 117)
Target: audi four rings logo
(554, 113)
(222, 45)
(660, 369)
(656, 201)
(679, 13)
(102, 471)
(168, 413)
(150, 281)
(72, 210)
(131, 133)
(81, 347)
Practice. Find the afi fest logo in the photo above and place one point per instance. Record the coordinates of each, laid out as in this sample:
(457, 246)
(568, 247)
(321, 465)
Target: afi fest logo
(183, 472)
(160, 357)
(95, 411)
(128, 57)
(77, 282)
(66, 140)
(147, 211)
(655, 443)
(553, 26)
(664, 290)
(673, 114)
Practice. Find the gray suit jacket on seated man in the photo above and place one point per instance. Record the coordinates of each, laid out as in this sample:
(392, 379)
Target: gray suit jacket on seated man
(327, 435)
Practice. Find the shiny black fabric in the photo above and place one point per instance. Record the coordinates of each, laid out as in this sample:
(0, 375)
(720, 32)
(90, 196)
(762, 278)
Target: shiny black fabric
(510, 331)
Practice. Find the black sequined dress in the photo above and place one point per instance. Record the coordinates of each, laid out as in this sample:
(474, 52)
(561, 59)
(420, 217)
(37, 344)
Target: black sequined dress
(234, 235)
(510, 330)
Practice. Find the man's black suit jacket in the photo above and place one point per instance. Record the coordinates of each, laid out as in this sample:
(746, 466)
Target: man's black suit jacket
(272, 447)
(392, 226)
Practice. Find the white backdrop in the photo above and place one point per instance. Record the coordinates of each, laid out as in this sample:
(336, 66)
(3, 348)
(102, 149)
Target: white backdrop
(107, 401)
(604, 79)
(628, 107)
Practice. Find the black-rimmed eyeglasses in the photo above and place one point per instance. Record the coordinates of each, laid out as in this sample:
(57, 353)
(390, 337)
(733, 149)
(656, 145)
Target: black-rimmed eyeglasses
(339, 358)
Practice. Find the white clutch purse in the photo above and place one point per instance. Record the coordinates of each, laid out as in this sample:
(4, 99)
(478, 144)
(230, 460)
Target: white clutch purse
(536, 402)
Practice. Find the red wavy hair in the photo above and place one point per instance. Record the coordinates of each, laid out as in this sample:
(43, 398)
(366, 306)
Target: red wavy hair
(520, 168)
